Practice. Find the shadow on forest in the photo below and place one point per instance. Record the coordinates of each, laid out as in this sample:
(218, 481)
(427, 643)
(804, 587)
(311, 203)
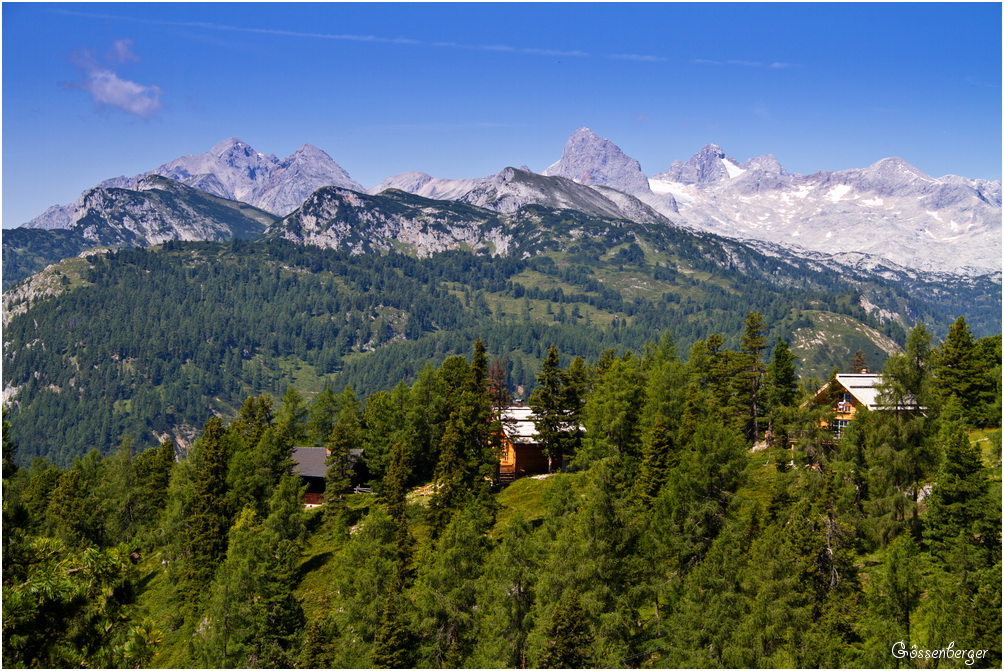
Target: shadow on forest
(312, 564)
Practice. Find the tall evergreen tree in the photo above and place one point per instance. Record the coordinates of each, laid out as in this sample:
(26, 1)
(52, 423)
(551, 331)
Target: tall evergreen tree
(204, 530)
(345, 435)
(956, 369)
(547, 403)
(960, 508)
(751, 347)
(780, 388)
(568, 637)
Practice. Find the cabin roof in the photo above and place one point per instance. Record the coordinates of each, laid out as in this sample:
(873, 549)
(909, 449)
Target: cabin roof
(517, 421)
(864, 388)
(308, 462)
(518, 424)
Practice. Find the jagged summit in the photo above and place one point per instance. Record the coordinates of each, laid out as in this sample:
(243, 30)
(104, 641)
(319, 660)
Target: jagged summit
(709, 165)
(233, 169)
(890, 209)
(228, 146)
(594, 161)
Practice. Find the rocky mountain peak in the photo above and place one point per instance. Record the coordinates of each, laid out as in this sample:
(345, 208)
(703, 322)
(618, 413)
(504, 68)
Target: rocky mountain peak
(896, 169)
(310, 152)
(708, 165)
(230, 147)
(594, 161)
(766, 164)
(708, 153)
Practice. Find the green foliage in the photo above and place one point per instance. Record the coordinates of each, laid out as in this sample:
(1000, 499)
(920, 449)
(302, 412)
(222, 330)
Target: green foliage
(188, 330)
(671, 544)
(568, 639)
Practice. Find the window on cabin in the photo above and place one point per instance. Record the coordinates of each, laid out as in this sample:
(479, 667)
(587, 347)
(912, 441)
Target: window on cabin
(838, 427)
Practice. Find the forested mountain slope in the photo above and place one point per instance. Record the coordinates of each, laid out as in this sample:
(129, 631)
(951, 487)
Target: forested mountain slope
(147, 342)
(662, 539)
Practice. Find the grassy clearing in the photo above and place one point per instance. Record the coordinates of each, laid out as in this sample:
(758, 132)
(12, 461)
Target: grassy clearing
(156, 602)
(989, 442)
(524, 498)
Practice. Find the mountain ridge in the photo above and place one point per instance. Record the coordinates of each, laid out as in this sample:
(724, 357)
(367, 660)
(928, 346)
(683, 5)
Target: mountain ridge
(889, 209)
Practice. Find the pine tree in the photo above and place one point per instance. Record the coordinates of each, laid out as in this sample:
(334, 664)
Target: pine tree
(657, 459)
(780, 388)
(859, 362)
(204, 530)
(446, 588)
(393, 493)
(292, 416)
(956, 369)
(960, 509)
(568, 637)
(548, 409)
(751, 347)
(9, 447)
(345, 435)
(392, 646)
(505, 599)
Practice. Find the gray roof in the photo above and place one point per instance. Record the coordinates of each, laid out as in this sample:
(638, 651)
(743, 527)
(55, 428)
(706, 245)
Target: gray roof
(308, 462)
(519, 426)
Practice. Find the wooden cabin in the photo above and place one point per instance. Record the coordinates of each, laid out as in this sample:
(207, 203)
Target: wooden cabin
(310, 464)
(854, 391)
(521, 453)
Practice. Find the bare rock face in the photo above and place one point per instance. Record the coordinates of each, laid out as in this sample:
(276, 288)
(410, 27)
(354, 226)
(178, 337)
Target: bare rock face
(705, 167)
(337, 218)
(512, 189)
(594, 161)
(426, 186)
(232, 169)
(160, 209)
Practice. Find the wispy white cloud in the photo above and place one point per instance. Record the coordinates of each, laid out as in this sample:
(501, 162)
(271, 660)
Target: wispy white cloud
(107, 89)
(776, 65)
(376, 39)
(638, 57)
(122, 52)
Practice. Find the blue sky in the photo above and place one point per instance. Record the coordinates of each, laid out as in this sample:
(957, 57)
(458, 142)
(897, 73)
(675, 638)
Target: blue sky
(92, 91)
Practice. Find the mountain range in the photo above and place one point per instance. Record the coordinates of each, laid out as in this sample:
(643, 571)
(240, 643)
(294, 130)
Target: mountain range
(889, 213)
(231, 170)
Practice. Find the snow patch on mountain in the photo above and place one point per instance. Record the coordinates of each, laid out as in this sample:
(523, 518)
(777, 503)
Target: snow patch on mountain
(889, 209)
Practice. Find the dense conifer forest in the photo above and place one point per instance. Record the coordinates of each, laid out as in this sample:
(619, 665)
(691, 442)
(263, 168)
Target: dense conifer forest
(700, 512)
(150, 343)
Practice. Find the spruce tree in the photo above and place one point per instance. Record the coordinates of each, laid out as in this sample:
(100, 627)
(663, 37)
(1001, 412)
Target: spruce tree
(392, 646)
(960, 509)
(568, 637)
(548, 409)
(956, 369)
(658, 457)
(859, 362)
(345, 435)
(204, 530)
(780, 388)
(393, 493)
(751, 346)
